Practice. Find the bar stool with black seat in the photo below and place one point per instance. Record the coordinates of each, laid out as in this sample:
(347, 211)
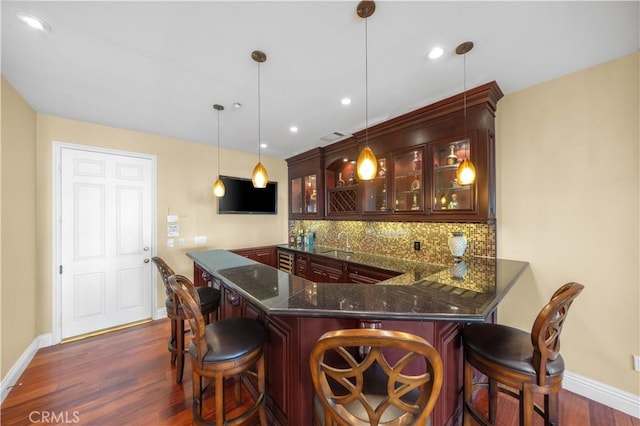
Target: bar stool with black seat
(356, 384)
(229, 348)
(519, 363)
(209, 303)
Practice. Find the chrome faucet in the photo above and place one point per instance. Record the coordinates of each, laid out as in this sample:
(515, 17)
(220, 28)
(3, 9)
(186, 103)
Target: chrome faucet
(347, 247)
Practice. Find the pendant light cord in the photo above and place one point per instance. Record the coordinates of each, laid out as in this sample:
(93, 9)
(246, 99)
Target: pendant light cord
(218, 143)
(259, 136)
(366, 82)
(464, 96)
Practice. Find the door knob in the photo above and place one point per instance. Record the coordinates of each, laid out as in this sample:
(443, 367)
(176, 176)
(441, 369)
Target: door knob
(146, 249)
(146, 261)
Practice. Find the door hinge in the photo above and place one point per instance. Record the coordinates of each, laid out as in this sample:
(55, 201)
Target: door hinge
(60, 269)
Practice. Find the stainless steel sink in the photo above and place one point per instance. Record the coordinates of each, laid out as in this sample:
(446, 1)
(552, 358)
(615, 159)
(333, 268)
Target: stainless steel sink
(337, 253)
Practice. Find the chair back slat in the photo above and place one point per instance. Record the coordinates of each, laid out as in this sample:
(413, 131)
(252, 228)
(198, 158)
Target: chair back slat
(188, 297)
(545, 333)
(165, 272)
(372, 390)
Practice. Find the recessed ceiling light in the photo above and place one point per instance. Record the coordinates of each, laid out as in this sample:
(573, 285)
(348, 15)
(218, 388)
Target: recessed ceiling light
(237, 105)
(345, 101)
(436, 52)
(33, 21)
(293, 129)
(263, 145)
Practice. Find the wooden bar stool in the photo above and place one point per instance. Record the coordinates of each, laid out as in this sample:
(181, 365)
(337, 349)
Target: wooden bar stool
(518, 363)
(224, 349)
(354, 391)
(209, 303)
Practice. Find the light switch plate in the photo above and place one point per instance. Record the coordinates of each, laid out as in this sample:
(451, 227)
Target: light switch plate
(200, 240)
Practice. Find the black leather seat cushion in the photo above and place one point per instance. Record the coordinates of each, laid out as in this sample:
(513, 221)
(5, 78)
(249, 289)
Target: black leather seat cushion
(209, 299)
(231, 338)
(506, 346)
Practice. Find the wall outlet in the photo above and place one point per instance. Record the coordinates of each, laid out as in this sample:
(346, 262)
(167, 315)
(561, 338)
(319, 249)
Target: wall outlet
(636, 362)
(416, 245)
(199, 240)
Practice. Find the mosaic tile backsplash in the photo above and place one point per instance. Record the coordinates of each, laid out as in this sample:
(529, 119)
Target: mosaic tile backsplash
(395, 239)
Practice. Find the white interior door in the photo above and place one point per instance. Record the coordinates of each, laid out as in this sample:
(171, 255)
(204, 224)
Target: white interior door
(106, 234)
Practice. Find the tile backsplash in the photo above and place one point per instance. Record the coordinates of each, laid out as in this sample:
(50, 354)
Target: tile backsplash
(396, 239)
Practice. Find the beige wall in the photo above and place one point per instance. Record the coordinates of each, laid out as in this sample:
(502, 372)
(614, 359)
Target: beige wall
(18, 284)
(568, 192)
(185, 175)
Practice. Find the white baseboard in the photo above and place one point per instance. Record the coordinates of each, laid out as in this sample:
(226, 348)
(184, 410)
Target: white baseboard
(9, 381)
(604, 394)
(160, 313)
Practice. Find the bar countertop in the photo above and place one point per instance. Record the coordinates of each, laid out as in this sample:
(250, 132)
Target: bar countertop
(468, 291)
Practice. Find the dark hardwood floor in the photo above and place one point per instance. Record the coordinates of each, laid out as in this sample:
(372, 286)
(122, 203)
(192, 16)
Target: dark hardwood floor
(124, 378)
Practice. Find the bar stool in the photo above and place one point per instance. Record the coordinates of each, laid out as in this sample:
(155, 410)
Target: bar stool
(226, 348)
(209, 303)
(518, 363)
(355, 384)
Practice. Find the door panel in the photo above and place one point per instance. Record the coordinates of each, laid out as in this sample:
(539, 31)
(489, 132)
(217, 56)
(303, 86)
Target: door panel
(106, 230)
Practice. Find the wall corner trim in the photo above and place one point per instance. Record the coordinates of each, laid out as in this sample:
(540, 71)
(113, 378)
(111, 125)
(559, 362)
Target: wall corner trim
(612, 397)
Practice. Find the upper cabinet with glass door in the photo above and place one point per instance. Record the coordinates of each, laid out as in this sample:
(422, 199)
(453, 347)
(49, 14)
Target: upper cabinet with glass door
(447, 193)
(376, 194)
(408, 181)
(305, 196)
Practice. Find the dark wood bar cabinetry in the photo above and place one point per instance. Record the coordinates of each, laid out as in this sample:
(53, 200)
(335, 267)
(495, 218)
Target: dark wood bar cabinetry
(418, 154)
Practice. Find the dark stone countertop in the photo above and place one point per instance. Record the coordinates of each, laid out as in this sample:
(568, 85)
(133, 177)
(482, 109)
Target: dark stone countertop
(468, 291)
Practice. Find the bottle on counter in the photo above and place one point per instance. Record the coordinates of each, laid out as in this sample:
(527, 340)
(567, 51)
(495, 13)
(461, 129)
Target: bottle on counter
(340, 180)
(352, 179)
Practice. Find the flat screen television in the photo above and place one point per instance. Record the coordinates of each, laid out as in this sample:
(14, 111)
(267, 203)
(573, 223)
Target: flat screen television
(242, 198)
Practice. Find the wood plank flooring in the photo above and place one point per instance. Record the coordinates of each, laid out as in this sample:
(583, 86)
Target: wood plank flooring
(125, 378)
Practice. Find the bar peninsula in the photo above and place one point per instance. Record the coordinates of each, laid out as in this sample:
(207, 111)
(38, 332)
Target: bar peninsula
(432, 301)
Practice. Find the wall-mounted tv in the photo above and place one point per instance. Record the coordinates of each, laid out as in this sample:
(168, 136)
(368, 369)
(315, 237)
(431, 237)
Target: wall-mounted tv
(242, 198)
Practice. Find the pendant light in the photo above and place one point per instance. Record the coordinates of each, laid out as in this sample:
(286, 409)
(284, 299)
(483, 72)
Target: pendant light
(218, 187)
(367, 164)
(259, 176)
(466, 172)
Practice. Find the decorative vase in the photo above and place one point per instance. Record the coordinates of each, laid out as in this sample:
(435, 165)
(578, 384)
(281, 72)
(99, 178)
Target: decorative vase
(457, 244)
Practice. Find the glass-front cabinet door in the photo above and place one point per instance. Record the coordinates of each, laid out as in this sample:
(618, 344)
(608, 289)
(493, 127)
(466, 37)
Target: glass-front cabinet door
(304, 195)
(447, 194)
(408, 181)
(310, 194)
(296, 195)
(375, 191)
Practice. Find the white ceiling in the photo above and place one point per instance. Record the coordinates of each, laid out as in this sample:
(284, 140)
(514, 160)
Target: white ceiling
(157, 67)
